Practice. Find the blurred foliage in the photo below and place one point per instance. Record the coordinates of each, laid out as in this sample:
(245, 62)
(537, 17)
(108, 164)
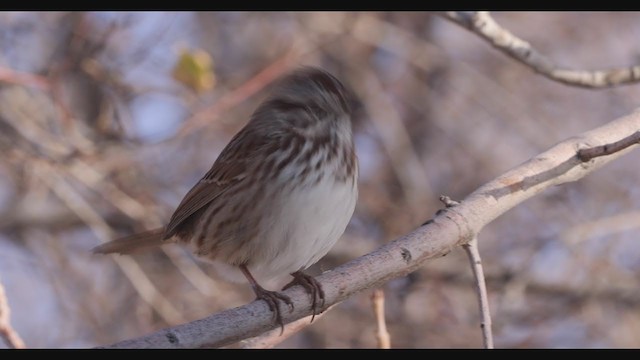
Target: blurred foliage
(195, 70)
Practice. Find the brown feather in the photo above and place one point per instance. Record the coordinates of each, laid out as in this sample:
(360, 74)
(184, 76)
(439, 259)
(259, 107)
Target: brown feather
(229, 169)
(199, 196)
(129, 244)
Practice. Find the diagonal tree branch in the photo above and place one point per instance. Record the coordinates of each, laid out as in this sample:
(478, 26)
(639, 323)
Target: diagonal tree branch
(274, 337)
(449, 228)
(482, 24)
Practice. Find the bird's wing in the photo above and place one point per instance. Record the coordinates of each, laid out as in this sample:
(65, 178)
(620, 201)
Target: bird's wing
(243, 153)
(228, 169)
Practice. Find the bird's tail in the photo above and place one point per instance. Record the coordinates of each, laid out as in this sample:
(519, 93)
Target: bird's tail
(129, 244)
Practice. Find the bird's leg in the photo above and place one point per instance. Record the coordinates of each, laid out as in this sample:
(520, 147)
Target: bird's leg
(312, 286)
(271, 297)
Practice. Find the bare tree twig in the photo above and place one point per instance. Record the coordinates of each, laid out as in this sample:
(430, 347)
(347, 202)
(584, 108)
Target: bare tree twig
(10, 336)
(608, 149)
(382, 335)
(450, 228)
(471, 249)
(482, 24)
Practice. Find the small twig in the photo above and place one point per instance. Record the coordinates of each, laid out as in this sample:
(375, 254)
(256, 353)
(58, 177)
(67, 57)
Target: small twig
(382, 335)
(447, 201)
(10, 336)
(483, 300)
(471, 248)
(272, 338)
(482, 24)
(608, 149)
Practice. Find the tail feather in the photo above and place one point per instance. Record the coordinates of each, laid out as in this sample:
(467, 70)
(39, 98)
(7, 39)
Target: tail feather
(129, 244)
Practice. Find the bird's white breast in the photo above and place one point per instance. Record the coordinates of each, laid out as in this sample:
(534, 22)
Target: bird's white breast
(301, 225)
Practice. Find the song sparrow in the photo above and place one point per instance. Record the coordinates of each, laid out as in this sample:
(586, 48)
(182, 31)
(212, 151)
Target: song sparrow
(279, 195)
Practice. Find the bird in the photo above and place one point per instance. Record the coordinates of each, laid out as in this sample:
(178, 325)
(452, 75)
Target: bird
(279, 195)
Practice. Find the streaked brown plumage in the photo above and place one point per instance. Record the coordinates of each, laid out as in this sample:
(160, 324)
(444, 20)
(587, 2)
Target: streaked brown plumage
(279, 195)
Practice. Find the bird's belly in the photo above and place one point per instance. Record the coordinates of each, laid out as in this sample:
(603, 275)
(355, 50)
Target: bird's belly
(299, 228)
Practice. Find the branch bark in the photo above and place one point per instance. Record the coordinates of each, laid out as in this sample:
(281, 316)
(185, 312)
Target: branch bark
(274, 337)
(482, 24)
(449, 228)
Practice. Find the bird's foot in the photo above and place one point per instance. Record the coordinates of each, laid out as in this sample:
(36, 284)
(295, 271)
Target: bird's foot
(312, 286)
(271, 298)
